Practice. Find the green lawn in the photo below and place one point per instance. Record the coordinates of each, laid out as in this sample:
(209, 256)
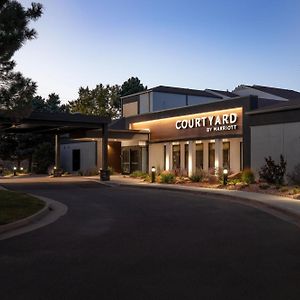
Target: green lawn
(15, 206)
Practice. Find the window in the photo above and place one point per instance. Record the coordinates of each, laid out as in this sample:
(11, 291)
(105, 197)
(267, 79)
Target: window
(176, 157)
(199, 156)
(186, 157)
(241, 157)
(211, 155)
(226, 155)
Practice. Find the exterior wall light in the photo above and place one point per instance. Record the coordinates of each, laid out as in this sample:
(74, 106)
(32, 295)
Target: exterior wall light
(22, 169)
(225, 176)
(153, 173)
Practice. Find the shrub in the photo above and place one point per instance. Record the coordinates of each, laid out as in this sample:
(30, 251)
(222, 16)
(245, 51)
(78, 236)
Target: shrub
(248, 176)
(295, 175)
(167, 177)
(198, 176)
(296, 191)
(212, 179)
(272, 172)
(284, 189)
(43, 157)
(264, 186)
(91, 172)
(234, 181)
(138, 174)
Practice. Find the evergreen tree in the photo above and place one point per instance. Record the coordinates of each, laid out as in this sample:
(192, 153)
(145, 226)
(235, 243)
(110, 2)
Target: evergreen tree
(16, 92)
(131, 86)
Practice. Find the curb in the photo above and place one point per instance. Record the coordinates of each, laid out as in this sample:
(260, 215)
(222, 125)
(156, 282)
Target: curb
(267, 207)
(28, 220)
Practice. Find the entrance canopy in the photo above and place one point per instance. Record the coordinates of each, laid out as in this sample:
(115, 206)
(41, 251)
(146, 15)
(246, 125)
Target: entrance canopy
(58, 124)
(55, 123)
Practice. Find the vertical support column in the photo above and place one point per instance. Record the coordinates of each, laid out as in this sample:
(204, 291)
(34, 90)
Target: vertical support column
(218, 154)
(192, 158)
(104, 173)
(99, 153)
(182, 157)
(57, 151)
(168, 158)
(205, 156)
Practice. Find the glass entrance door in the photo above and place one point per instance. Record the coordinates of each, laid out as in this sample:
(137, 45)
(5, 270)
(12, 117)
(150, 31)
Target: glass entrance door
(134, 160)
(126, 161)
(131, 160)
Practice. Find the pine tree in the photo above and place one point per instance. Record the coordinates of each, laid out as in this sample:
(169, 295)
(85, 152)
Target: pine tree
(16, 91)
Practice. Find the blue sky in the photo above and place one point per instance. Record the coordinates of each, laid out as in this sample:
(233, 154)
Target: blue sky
(194, 44)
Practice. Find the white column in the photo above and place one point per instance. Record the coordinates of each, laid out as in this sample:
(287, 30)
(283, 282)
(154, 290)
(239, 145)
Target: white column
(168, 156)
(205, 156)
(182, 156)
(218, 154)
(192, 158)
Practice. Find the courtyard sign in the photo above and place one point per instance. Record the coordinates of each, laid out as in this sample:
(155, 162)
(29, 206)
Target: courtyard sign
(224, 122)
(202, 125)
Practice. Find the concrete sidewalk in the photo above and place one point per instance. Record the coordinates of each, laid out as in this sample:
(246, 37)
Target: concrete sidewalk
(281, 205)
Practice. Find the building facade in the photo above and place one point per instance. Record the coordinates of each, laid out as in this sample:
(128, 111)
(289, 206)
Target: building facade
(184, 130)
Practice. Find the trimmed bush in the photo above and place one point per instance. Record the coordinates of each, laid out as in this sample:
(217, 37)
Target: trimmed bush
(264, 186)
(167, 177)
(138, 174)
(295, 175)
(248, 176)
(272, 172)
(198, 176)
(284, 189)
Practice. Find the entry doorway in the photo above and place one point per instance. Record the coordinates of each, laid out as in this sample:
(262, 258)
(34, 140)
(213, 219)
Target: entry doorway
(76, 160)
(131, 160)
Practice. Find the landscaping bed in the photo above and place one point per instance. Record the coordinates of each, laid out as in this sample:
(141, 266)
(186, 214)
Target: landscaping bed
(244, 181)
(285, 191)
(15, 206)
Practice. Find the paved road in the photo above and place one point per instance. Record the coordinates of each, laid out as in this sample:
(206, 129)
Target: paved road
(130, 243)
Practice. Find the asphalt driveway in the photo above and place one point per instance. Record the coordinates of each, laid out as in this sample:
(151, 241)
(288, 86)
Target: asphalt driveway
(132, 243)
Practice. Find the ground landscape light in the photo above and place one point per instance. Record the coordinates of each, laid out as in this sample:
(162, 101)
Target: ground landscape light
(225, 176)
(153, 171)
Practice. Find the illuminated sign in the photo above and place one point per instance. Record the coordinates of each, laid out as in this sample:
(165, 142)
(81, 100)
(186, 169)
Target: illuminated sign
(204, 125)
(222, 122)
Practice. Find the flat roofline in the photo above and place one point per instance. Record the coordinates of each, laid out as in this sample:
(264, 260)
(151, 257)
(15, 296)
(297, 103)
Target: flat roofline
(58, 117)
(274, 109)
(174, 90)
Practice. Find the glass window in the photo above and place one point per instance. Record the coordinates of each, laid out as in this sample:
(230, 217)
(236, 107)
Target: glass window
(199, 156)
(241, 156)
(211, 155)
(186, 157)
(176, 157)
(226, 155)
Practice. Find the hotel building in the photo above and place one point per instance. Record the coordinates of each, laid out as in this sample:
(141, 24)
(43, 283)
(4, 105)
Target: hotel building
(184, 130)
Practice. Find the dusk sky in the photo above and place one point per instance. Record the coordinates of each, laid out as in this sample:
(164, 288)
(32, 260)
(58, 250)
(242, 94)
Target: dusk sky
(193, 44)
